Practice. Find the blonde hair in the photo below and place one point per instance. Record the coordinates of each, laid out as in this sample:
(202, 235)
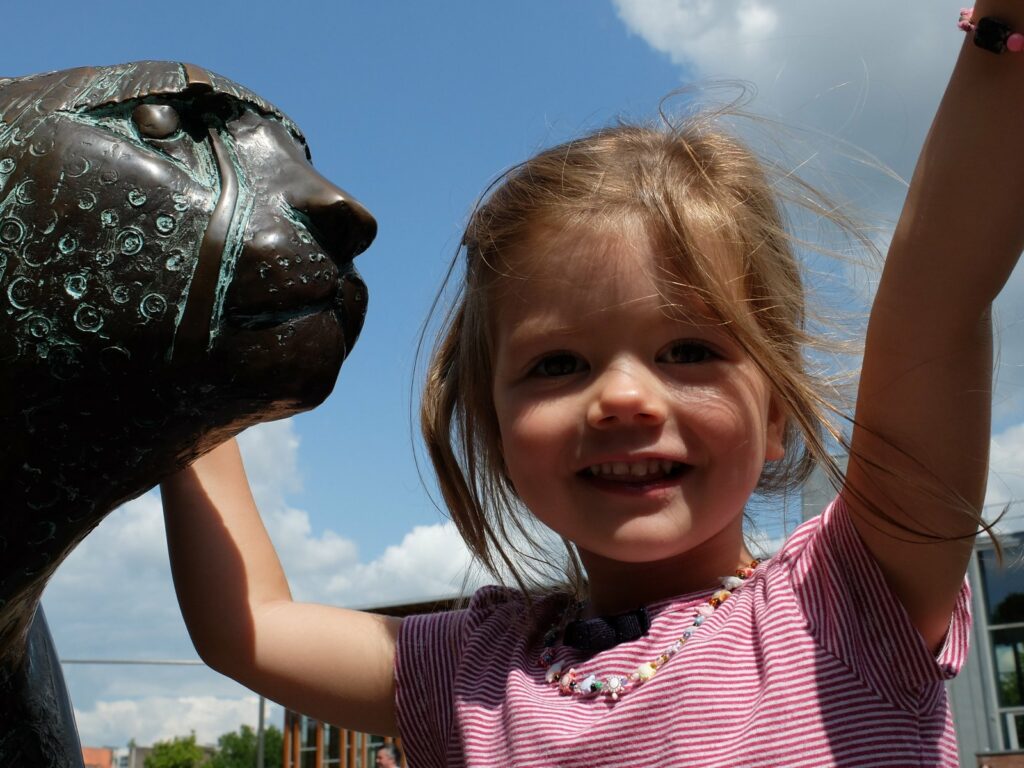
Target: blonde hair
(685, 184)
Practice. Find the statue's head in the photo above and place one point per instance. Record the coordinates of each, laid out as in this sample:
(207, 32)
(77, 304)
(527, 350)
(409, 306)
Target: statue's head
(157, 217)
(172, 269)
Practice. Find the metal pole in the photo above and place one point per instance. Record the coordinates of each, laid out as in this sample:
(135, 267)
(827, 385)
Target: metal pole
(144, 662)
(260, 762)
(259, 736)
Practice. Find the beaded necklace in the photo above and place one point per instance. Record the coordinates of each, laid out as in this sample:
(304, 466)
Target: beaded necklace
(571, 682)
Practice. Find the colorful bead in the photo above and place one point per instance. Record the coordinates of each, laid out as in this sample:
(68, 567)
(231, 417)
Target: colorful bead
(567, 682)
(614, 687)
(1015, 43)
(645, 671)
(732, 582)
(553, 672)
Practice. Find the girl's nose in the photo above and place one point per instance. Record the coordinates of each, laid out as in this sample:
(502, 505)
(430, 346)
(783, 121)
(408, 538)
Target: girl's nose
(626, 396)
(339, 222)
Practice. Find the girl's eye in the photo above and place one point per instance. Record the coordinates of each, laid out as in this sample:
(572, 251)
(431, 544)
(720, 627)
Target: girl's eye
(560, 364)
(687, 353)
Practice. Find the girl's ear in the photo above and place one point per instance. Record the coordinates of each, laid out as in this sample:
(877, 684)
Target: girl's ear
(775, 430)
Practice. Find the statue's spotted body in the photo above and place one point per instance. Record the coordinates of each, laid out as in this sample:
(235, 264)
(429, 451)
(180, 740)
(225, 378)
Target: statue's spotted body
(172, 270)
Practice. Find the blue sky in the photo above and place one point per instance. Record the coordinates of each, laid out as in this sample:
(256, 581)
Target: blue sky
(413, 108)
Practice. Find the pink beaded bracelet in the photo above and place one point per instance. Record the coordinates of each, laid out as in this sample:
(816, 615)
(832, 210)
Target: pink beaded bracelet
(991, 34)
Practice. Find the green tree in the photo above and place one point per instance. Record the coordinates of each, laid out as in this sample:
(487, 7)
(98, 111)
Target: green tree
(238, 750)
(179, 752)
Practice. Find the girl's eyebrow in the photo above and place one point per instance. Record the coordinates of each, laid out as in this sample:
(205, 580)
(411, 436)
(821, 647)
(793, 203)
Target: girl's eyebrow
(536, 330)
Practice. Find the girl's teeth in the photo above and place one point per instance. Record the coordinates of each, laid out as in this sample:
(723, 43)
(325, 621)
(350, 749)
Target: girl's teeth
(633, 469)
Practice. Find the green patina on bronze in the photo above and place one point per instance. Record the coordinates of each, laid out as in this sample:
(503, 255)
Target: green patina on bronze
(172, 270)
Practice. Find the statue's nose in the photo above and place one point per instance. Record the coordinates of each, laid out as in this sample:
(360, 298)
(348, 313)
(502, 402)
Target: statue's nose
(338, 221)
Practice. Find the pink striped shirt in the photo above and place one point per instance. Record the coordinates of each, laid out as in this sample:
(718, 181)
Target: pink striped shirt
(813, 662)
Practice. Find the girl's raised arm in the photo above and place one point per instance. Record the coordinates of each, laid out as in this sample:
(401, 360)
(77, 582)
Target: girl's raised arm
(919, 452)
(334, 664)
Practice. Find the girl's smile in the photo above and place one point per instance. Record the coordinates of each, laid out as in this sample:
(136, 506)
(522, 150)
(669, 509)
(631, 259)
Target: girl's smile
(630, 476)
(634, 427)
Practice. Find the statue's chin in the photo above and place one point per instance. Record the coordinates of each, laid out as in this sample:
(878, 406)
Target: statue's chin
(290, 366)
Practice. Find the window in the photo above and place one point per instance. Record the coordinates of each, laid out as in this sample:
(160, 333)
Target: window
(333, 746)
(307, 750)
(1003, 591)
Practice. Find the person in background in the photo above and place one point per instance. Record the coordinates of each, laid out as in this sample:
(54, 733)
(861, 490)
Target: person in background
(388, 756)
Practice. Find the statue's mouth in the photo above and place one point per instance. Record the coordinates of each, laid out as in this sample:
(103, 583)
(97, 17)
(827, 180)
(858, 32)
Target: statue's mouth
(348, 303)
(261, 321)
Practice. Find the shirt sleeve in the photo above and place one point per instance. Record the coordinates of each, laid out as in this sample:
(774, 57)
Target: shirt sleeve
(427, 660)
(854, 615)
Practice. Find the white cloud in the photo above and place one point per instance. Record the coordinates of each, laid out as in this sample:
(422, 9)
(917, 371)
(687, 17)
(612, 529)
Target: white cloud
(1006, 477)
(159, 718)
(113, 598)
(700, 30)
(868, 73)
(431, 561)
(271, 453)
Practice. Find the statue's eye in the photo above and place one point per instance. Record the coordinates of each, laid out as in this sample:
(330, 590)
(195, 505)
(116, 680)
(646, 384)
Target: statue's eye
(156, 121)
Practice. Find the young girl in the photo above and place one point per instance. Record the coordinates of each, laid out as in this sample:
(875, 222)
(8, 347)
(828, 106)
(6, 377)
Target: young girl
(625, 366)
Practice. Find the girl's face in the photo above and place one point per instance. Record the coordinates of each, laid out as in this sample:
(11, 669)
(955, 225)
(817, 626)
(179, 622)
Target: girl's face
(635, 432)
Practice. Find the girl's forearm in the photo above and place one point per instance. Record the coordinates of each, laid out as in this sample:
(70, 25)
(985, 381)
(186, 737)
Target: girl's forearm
(334, 664)
(224, 565)
(962, 227)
